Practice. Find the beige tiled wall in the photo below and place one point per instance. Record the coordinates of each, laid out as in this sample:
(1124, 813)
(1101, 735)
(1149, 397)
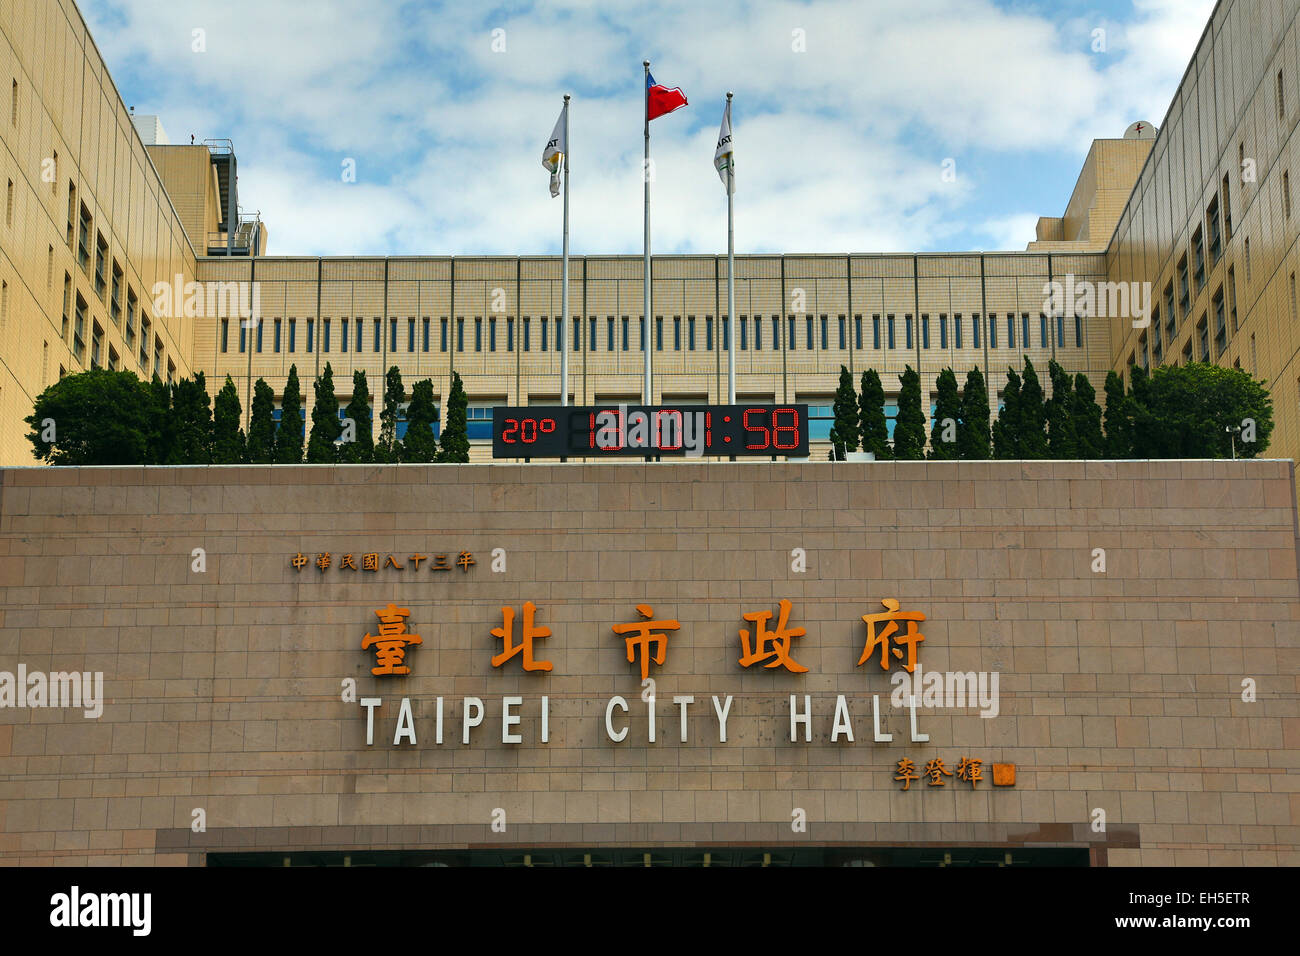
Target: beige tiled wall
(1120, 691)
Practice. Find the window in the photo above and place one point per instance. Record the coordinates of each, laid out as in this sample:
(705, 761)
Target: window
(758, 333)
(260, 323)
(677, 333)
(1198, 249)
(293, 335)
(1227, 207)
(609, 333)
(943, 331)
(1232, 299)
(54, 174)
(132, 308)
(343, 335)
(808, 331)
(975, 330)
(145, 328)
(1220, 324)
(72, 213)
(442, 334)
(659, 333)
(527, 337)
(690, 332)
(791, 341)
(115, 300)
(101, 267)
(1203, 337)
(726, 332)
(546, 342)
(925, 331)
(907, 326)
(492, 334)
(1157, 348)
(96, 344)
(821, 417)
(9, 204)
(311, 334)
(1171, 317)
(1142, 351)
(708, 333)
(49, 269)
(360, 324)
(1254, 366)
(460, 334)
(410, 333)
(625, 331)
(424, 336)
(275, 339)
(993, 330)
(83, 241)
(857, 331)
(377, 336)
(1281, 99)
(875, 332)
(1011, 330)
(889, 329)
(1241, 161)
(1212, 227)
(79, 330)
(392, 334)
(843, 344)
(1184, 289)
(824, 340)
(956, 330)
(4, 304)
(577, 333)
(743, 342)
(225, 335)
(1247, 260)
(1060, 330)
(1042, 330)
(1024, 329)
(478, 333)
(776, 333)
(1286, 193)
(510, 333)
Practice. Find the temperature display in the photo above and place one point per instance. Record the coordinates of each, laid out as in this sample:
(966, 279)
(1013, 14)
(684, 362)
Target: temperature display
(596, 431)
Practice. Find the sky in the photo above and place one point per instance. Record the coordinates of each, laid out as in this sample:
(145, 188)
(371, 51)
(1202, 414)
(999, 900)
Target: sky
(405, 127)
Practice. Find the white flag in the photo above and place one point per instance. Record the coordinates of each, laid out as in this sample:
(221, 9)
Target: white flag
(724, 160)
(553, 154)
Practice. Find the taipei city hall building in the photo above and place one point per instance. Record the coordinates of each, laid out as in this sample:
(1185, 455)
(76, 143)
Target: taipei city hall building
(755, 662)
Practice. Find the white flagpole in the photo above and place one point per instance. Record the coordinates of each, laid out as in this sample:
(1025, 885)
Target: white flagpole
(564, 294)
(646, 392)
(731, 275)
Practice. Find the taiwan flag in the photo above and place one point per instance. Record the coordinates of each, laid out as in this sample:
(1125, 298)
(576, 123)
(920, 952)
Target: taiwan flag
(661, 99)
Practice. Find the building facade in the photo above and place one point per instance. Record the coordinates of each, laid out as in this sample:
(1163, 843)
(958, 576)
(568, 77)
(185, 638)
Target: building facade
(1114, 643)
(1198, 218)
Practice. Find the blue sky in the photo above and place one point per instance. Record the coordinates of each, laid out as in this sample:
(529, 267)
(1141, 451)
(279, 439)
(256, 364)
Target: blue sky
(844, 115)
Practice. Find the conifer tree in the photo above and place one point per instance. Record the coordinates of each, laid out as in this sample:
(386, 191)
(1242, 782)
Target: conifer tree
(871, 417)
(845, 431)
(228, 446)
(1087, 418)
(261, 428)
(909, 430)
(192, 421)
(389, 448)
(362, 446)
(1006, 430)
(1062, 435)
(455, 433)
(1033, 415)
(1119, 443)
(973, 437)
(419, 444)
(944, 431)
(325, 424)
(288, 439)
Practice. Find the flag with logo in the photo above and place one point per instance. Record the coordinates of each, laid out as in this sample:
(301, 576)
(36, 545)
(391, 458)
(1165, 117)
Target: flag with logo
(724, 160)
(660, 99)
(553, 154)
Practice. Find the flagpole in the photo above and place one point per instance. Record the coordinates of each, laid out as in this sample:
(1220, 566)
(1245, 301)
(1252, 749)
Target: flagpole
(564, 294)
(731, 275)
(646, 392)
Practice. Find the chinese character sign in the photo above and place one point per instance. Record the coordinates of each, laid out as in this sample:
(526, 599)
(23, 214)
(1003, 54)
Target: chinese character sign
(391, 642)
(888, 627)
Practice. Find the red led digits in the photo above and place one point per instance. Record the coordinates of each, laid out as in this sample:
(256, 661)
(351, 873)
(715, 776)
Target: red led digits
(778, 428)
(760, 429)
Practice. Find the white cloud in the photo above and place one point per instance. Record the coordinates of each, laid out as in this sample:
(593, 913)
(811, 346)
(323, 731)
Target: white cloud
(838, 147)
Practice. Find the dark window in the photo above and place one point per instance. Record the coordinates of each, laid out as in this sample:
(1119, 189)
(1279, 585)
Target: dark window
(361, 332)
(492, 334)
(277, 335)
(526, 336)
(975, 330)
(677, 333)
(956, 330)
(311, 335)
(225, 333)
(875, 332)
(1024, 329)
(726, 332)
(925, 331)
(743, 323)
(510, 333)
(424, 329)
(791, 340)
(293, 334)
(392, 335)
(609, 333)
(546, 342)
(625, 331)
(1078, 332)
(843, 333)
(758, 333)
(708, 333)
(260, 323)
(690, 333)
(889, 329)
(907, 331)
(442, 335)
(325, 334)
(943, 331)
(993, 330)
(343, 335)
(378, 333)
(410, 334)
(659, 333)
(808, 329)
(460, 333)
(478, 334)
(857, 331)
(1011, 330)
(1042, 330)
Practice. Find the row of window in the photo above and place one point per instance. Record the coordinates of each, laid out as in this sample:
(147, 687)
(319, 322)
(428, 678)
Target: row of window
(109, 283)
(360, 334)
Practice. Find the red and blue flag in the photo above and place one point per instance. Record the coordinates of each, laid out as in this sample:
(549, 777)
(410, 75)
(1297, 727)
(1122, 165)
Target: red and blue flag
(661, 99)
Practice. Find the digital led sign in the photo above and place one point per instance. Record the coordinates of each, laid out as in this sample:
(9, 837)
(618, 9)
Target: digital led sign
(597, 431)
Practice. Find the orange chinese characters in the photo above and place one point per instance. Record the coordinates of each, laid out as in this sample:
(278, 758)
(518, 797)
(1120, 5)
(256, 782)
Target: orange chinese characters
(525, 646)
(770, 646)
(906, 772)
(969, 770)
(391, 642)
(888, 624)
(935, 771)
(644, 636)
(299, 561)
